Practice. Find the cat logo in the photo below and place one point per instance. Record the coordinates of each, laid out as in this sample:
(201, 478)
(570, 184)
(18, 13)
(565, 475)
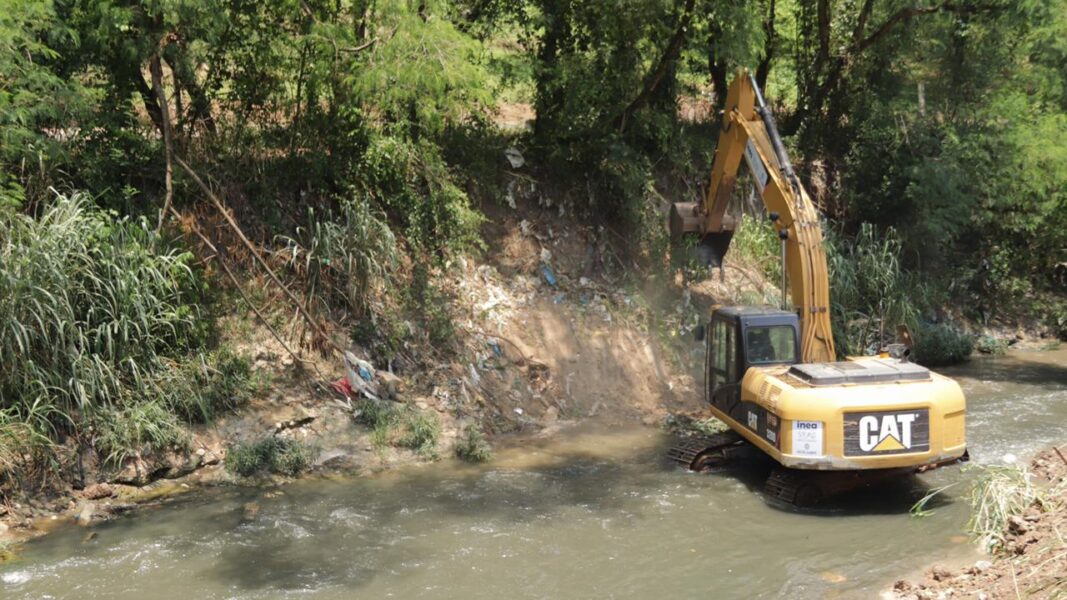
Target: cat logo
(890, 432)
(887, 432)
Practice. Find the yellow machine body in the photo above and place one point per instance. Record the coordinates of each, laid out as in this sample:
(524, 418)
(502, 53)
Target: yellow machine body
(807, 412)
(783, 402)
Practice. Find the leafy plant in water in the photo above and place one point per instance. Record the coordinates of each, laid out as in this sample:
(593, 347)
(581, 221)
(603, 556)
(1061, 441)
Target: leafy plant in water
(941, 344)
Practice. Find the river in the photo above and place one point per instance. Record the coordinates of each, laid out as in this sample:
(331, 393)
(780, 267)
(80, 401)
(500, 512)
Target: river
(595, 512)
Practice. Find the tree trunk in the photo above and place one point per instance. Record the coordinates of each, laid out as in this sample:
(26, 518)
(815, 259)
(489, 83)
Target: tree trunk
(769, 34)
(670, 54)
(155, 66)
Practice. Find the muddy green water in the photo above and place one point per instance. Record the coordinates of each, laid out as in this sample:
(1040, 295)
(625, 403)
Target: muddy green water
(594, 513)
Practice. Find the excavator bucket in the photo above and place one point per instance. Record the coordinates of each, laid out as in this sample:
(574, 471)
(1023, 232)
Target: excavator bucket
(685, 219)
(712, 248)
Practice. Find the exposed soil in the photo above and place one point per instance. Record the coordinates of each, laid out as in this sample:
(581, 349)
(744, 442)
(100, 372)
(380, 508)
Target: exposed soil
(1033, 563)
(549, 332)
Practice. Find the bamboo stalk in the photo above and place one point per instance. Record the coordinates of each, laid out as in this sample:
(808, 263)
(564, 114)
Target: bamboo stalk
(255, 253)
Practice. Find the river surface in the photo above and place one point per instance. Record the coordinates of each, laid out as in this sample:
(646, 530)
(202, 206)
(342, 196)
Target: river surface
(593, 513)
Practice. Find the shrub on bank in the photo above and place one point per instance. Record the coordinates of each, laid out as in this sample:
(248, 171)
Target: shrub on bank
(942, 344)
(472, 446)
(270, 454)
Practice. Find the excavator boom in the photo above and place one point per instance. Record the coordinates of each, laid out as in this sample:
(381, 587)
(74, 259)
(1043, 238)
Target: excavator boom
(749, 133)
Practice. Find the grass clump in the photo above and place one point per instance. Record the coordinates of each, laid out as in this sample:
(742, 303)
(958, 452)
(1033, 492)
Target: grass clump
(473, 447)
(421, 432)
(99, 323)
(270, 454)
(942, 344)
(1000, 493)
(418, 430)
(137, 428)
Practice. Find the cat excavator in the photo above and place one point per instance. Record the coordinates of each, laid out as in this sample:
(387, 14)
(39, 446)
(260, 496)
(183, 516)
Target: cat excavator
(772, 374)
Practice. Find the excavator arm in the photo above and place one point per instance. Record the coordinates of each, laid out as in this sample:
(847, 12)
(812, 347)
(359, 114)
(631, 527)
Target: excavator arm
(749, 133)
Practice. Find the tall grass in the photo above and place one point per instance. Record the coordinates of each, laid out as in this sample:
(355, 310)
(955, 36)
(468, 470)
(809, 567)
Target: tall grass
(345, 258)
(870, 292)
(96, 313)
(1000, 493)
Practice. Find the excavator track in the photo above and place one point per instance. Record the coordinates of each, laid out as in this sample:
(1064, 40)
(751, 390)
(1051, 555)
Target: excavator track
(705, 452)
(808, 488)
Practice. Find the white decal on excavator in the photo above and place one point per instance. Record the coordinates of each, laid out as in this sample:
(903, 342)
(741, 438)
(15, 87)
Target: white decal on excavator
(807, 438)
(890, 432)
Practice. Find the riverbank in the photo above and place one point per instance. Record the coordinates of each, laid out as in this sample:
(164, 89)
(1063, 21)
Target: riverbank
(543, 335)
(1029, 551)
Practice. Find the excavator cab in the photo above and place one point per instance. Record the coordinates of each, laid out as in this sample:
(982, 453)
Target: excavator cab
(739, 337)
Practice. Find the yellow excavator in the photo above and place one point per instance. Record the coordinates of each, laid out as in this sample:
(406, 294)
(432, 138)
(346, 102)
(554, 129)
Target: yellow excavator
(772, 375)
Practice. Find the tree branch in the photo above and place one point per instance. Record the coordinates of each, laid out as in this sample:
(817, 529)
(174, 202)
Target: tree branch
(670, 54)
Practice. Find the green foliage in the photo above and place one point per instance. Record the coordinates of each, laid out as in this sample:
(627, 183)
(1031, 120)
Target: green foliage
(756, 245)
(426, 74)
(38, 105)
(271, 454)
(942, 344)
(421, 432)
(472, 446)
(871, 293)
(137, 428)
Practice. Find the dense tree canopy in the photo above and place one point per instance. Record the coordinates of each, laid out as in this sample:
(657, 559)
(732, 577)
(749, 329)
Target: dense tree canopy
(945, 121)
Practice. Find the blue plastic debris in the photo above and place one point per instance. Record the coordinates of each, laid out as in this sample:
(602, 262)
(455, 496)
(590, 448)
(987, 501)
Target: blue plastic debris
(495, 347)
(550, 278)
(365, 373)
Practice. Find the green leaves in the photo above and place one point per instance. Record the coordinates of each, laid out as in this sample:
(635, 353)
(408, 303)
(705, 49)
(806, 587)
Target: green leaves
(420, 71)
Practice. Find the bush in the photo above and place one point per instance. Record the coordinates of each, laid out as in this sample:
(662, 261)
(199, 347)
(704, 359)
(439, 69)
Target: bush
(422, 429)
(200, 388)
(942, 344)
(272, 454)
(138, 428)
(472, 447)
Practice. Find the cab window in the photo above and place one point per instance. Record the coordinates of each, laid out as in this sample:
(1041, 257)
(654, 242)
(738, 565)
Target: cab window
(770, 344)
